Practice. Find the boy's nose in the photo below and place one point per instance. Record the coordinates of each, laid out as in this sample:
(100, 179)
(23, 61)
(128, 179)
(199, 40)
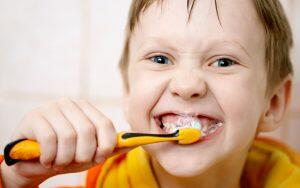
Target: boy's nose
(188, 85)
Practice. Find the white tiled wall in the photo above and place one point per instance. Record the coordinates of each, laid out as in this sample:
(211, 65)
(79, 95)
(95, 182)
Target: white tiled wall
(106, 46)
(50, 49)
(40, 39)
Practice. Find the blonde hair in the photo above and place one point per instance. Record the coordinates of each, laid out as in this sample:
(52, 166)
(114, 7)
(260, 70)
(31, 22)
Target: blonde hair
(277, 29)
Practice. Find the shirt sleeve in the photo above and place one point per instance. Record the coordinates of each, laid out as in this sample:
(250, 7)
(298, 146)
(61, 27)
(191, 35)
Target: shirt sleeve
(92, 176)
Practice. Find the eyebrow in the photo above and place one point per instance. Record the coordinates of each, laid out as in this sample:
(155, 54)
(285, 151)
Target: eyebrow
(240, 46)
(233, 43)
(159, 41)
(150, 41)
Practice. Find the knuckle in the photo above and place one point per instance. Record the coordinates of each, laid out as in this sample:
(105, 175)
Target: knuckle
(85, 154)
(48, 107)
(50, 137)
(48, 152)
(49, 104)
(83, 101)
(87, 131)
(64, 158)
(32, 114)
(64, 100)
(68, 137)
(106, 122)
(105, 151)
(30, 119)
(110, 139)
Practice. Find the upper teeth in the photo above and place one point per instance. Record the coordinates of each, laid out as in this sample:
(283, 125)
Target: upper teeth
(173, 123)
(182, 122)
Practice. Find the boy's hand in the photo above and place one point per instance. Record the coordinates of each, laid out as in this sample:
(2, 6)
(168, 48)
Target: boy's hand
(73, 136)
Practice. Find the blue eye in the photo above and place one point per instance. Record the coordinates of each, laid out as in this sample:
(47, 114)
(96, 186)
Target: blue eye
(160, 59)
(223, 62)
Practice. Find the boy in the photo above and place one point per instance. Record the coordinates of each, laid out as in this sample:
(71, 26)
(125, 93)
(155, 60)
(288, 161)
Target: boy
(222, 64)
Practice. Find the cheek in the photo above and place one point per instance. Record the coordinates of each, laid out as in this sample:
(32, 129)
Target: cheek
(145, 90)
(242, 101)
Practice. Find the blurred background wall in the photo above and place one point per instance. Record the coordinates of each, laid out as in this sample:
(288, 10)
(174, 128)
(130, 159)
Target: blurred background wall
(50, 49)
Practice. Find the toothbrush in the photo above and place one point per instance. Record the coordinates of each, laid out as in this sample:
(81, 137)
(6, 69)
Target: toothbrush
(24, 149)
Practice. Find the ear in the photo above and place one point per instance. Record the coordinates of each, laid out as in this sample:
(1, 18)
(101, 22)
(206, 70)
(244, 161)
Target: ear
(277, 106)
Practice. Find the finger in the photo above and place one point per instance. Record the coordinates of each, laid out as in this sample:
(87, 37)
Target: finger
(24, 130)
(66, 135)
(86, 133)
(35, 127)
(106, 133)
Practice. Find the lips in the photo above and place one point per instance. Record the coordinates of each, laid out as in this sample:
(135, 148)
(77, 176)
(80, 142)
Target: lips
(170, 122)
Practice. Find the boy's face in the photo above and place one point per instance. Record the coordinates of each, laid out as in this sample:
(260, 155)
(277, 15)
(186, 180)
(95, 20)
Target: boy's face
(202, 70)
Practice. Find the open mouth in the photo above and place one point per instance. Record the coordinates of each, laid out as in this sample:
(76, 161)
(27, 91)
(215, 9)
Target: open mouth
(171, 122)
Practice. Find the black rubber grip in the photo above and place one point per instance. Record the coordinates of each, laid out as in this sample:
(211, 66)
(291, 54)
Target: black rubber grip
(130, 135)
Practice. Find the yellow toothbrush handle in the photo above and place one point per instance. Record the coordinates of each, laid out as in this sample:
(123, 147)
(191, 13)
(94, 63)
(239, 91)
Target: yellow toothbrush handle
(138, 139)
(28, 149)
(25, 150)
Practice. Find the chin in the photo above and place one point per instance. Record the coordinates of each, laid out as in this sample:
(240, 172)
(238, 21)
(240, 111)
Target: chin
(182, 162)
(185, 167)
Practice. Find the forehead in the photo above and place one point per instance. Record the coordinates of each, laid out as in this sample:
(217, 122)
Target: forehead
(168, 22)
